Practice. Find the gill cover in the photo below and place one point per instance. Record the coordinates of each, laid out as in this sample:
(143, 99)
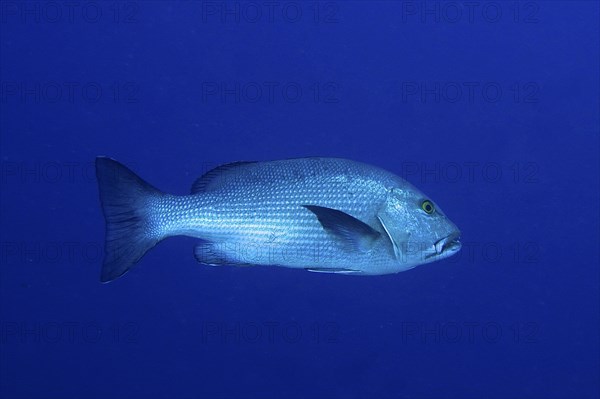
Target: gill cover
(393, 219)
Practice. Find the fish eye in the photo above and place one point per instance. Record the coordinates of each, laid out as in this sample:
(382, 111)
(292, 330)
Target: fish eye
(428, 207)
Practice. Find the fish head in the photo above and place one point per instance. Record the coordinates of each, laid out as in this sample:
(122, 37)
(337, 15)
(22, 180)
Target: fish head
(417, 228)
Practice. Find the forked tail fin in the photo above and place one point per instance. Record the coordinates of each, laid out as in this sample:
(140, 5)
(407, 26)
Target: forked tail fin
(127, 203)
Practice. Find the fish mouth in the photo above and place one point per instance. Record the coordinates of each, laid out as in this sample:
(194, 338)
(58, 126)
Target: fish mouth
(447, 245)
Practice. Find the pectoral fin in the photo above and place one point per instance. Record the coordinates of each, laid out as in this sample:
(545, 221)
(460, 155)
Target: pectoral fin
(348, 230)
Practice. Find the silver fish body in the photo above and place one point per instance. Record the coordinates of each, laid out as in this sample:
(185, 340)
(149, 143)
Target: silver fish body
(321, 214)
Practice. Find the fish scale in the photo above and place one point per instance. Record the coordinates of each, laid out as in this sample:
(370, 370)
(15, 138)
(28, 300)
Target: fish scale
(323, 214)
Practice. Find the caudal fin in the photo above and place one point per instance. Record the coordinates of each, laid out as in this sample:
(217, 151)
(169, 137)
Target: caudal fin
(126, 202)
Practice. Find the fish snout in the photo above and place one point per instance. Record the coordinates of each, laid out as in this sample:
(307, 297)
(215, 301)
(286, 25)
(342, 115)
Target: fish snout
(449, 244)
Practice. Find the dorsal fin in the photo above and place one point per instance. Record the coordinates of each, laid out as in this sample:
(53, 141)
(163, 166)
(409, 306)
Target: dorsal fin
(216, 177)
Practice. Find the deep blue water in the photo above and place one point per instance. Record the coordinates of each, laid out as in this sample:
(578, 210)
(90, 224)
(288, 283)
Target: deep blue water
(491, 108)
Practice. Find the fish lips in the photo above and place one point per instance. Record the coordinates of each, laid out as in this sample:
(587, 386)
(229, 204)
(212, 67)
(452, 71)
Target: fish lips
(446, 246)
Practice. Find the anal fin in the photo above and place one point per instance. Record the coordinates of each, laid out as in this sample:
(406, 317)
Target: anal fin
(212, 254)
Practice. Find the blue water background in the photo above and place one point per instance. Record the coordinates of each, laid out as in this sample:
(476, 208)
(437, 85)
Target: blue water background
(515, 315)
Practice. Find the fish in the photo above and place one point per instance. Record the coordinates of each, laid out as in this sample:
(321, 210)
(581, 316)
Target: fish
(324, 215)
